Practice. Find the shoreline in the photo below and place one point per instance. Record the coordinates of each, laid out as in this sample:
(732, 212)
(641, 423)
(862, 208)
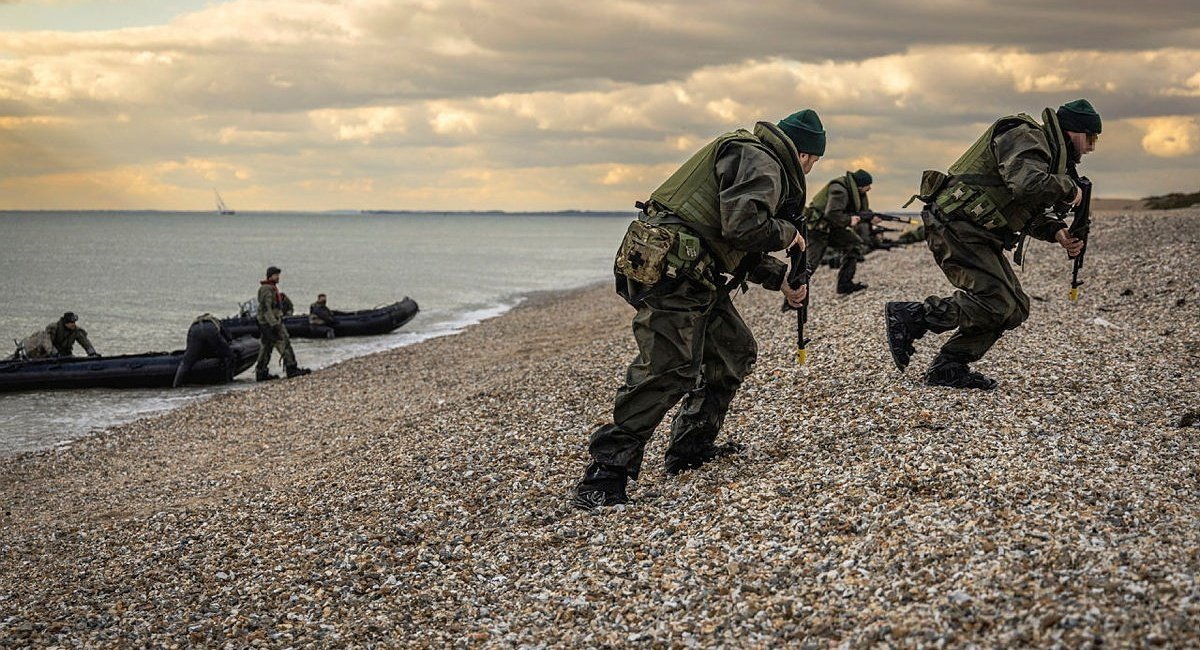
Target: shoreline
(419, 495)
(468, 318)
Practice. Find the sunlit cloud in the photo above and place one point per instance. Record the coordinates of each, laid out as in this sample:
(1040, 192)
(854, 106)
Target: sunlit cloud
(1170, 137)
(533, 104)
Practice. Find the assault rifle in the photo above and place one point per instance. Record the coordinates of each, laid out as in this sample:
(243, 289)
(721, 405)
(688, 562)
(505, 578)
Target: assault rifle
(1081, 224)
(797, 277)
(867, 215)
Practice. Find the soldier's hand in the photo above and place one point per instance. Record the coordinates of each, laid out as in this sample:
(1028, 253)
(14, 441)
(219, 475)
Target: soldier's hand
(875, 221)
(799, 241)
(1078, 197)
(794, 297)
(854, 220)
(1072, 244)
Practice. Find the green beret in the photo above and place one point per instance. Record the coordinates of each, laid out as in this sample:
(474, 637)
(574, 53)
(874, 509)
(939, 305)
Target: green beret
(862, 177)
(805, 131)
(1079, 116)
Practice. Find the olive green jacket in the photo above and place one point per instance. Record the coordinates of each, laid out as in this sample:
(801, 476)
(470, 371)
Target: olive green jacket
(270, 312)
(64, 338)
(835, 204)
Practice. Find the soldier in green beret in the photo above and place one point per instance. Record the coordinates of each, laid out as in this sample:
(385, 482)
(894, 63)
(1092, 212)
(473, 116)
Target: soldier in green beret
(996, 194)
(833, 223)
(705, 230)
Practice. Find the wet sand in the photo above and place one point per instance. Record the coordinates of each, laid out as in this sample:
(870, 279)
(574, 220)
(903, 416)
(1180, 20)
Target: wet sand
(419, 496)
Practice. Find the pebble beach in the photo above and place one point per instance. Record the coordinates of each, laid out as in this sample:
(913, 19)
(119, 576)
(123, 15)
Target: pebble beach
(419, 497)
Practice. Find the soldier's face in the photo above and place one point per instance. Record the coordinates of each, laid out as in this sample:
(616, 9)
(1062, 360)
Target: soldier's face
(807, 162)
(71, 325)
(1085, 143)
(864, 189)
(274, 277)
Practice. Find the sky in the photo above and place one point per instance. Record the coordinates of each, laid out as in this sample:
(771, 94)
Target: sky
(541, 105)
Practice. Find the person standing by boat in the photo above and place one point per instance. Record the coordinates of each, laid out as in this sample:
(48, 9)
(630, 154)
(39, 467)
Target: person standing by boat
(206, 339)
(272, 331)
(320, 318)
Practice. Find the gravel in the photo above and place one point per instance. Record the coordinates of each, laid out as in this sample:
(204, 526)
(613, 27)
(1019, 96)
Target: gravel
(419, 496)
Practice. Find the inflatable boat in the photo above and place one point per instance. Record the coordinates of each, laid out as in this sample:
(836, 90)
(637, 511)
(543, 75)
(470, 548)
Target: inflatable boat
(147, 370)
(365, 322)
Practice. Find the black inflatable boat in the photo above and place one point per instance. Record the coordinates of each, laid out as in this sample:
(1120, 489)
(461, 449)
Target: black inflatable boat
(364, 322)
(148, 370)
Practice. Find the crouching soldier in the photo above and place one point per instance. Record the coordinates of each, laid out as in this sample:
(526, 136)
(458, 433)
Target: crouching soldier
(833, 222)
(996, 194)
(206, 339)
(702, 233)
(59, 339)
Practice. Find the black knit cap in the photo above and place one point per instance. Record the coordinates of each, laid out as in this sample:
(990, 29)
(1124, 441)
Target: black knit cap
(69, 317)
(272, 270)
(862, 177)
(1079, 116)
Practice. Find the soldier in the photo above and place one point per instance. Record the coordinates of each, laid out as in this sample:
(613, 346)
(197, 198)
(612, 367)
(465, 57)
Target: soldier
(833, 220)
(997, 193)
(320, 318)
(714, 218)
(911, 234)
(272, 330)
(63, 334)
(206, 339)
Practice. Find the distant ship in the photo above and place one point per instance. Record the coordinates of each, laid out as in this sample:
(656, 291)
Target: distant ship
(221, 207)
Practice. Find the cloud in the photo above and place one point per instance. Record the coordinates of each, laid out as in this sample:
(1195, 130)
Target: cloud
(314, 104)
(1170, 137)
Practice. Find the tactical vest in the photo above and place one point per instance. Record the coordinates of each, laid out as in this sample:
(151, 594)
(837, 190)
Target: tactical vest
(814, 214)
(207, 318)
(977, 192)
(692, 192)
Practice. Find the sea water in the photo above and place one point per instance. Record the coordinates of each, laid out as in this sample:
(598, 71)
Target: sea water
(137, 279)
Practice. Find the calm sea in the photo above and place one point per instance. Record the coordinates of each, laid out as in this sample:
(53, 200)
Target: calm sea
(137, 279)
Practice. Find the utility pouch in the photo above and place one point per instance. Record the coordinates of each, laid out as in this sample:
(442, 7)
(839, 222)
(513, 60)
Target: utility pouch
(642, 256)
(932, 182)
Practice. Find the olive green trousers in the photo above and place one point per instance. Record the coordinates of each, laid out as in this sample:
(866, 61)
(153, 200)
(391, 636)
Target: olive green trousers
(989, 299)
(692, 346)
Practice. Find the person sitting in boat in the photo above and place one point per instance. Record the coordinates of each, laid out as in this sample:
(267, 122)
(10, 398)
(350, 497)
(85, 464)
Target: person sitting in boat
(206, 339)
(58, 339)
(320, 318)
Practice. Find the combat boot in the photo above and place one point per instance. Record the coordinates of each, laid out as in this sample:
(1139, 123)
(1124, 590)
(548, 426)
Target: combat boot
(846, 289)
(953, 374)
(676, 464)
(602, 485)
(264, 375)
(905, 324)
(296, 371)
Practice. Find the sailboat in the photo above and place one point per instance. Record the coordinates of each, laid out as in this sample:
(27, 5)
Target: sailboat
(221, 207)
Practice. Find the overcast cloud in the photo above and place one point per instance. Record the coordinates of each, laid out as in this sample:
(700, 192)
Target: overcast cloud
(537, 105)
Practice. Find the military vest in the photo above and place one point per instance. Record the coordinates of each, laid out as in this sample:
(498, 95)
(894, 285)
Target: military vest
(977, 192)
(814, 214)
(692, 192)
(207, 318)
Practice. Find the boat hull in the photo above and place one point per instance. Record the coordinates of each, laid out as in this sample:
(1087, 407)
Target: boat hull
(148, 370)
(365, 322)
